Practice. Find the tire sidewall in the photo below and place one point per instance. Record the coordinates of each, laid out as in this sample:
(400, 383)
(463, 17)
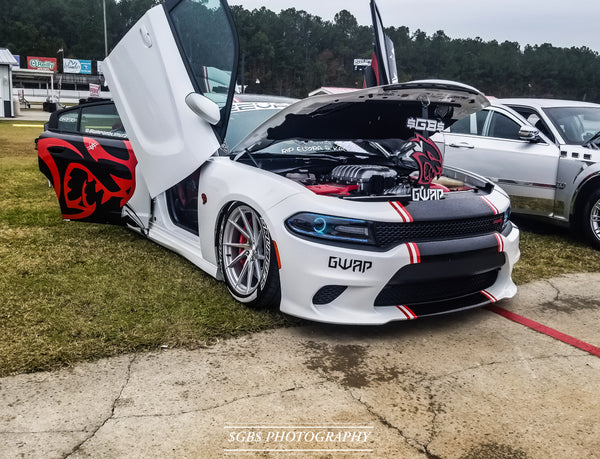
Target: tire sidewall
(586, 223)
(270, 280)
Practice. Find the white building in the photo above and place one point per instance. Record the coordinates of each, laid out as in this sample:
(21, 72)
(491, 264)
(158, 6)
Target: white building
(6, 99)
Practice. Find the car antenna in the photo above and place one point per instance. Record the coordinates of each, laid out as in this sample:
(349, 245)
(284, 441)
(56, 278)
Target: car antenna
(425, 102)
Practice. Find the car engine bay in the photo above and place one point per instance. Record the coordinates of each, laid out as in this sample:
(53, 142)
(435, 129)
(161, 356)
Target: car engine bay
(354, 176)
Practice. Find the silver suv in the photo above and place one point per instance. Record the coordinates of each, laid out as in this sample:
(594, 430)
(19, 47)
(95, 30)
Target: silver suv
(544, 153)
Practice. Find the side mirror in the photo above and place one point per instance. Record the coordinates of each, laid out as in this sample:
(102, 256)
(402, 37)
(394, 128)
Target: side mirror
(529, 133)
(203, 107)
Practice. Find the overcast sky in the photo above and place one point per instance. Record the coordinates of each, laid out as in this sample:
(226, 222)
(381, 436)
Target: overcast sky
(563, 23)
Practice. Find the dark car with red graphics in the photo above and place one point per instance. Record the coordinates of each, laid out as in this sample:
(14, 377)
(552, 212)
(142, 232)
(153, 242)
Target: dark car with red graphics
(85, 153)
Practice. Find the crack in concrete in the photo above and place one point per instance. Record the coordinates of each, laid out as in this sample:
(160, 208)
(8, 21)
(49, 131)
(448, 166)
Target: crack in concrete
(567, 302)
(112, 410)
(413, 443)
(380, 418)
(556, 289)
(434, 416)
(489, 364)
(426, 383)
(209, 408)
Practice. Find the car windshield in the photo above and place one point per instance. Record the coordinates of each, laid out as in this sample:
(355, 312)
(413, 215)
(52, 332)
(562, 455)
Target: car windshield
(577, 125)
(312, 147)
(247, 116)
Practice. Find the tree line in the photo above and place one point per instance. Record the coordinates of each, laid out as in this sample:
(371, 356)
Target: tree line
(293, 52)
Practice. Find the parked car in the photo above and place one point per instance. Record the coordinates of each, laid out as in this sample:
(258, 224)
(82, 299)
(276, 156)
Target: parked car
(544, 153)
(335, 208)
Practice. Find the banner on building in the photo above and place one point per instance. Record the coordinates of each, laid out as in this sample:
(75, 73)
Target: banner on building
(82, 66)
(94, 90)
(41, 63)
(18, 59)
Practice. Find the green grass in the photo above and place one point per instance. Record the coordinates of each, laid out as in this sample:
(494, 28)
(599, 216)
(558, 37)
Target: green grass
(77, 291)
(549, 251)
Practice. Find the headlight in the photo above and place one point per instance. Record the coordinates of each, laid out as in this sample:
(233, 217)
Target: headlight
(328, 228)
(506, 218)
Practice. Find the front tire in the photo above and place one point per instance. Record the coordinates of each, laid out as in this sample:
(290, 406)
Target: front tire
(247, 258)
(590, 221)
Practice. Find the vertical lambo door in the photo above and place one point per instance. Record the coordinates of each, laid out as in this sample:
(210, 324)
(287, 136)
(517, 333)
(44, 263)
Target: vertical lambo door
(172, 78)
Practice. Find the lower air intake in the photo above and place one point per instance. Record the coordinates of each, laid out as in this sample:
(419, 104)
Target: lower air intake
(327, 294)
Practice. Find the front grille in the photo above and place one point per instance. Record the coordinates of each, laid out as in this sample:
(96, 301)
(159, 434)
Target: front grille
(442, 277)
(454, 304)
(425, 292)
(389, 234)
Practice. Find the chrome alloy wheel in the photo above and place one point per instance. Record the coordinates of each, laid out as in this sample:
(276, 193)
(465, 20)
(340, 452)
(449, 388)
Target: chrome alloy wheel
(246, 247)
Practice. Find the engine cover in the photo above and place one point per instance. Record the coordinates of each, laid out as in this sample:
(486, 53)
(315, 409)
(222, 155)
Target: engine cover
(371, 179)
(361, 174)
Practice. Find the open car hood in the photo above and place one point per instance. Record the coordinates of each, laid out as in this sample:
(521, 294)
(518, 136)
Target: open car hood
(383, 112)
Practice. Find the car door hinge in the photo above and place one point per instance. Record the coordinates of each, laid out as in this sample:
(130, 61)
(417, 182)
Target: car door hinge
(223, 149)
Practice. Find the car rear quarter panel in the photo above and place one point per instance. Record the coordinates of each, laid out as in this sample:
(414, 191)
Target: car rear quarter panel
(586, 180)
(93, 178)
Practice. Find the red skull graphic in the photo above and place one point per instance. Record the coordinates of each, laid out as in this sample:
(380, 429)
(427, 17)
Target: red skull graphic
(429, 158)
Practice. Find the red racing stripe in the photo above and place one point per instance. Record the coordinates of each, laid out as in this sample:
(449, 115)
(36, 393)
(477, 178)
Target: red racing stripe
(404, 214)
(407, 312)
(413, 252)
(500, 242)
(491, 205)
(546, 330)
(489, 296)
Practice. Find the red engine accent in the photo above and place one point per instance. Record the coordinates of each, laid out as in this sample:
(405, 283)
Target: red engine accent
(437, 186)
(332, 188)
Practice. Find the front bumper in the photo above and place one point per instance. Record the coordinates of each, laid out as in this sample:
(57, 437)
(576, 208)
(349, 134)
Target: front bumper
(348, 286)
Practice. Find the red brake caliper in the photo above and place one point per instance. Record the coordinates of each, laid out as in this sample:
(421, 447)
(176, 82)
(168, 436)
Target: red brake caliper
(243, 240)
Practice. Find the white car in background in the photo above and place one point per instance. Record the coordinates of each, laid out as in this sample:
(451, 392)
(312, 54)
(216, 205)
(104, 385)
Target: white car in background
(544, 153)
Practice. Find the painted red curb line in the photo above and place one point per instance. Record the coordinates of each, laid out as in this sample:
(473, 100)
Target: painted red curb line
(546, 330)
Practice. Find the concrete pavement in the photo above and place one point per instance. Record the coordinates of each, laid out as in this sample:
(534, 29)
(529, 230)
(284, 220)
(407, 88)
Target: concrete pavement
(469, 385)
(30, 114)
